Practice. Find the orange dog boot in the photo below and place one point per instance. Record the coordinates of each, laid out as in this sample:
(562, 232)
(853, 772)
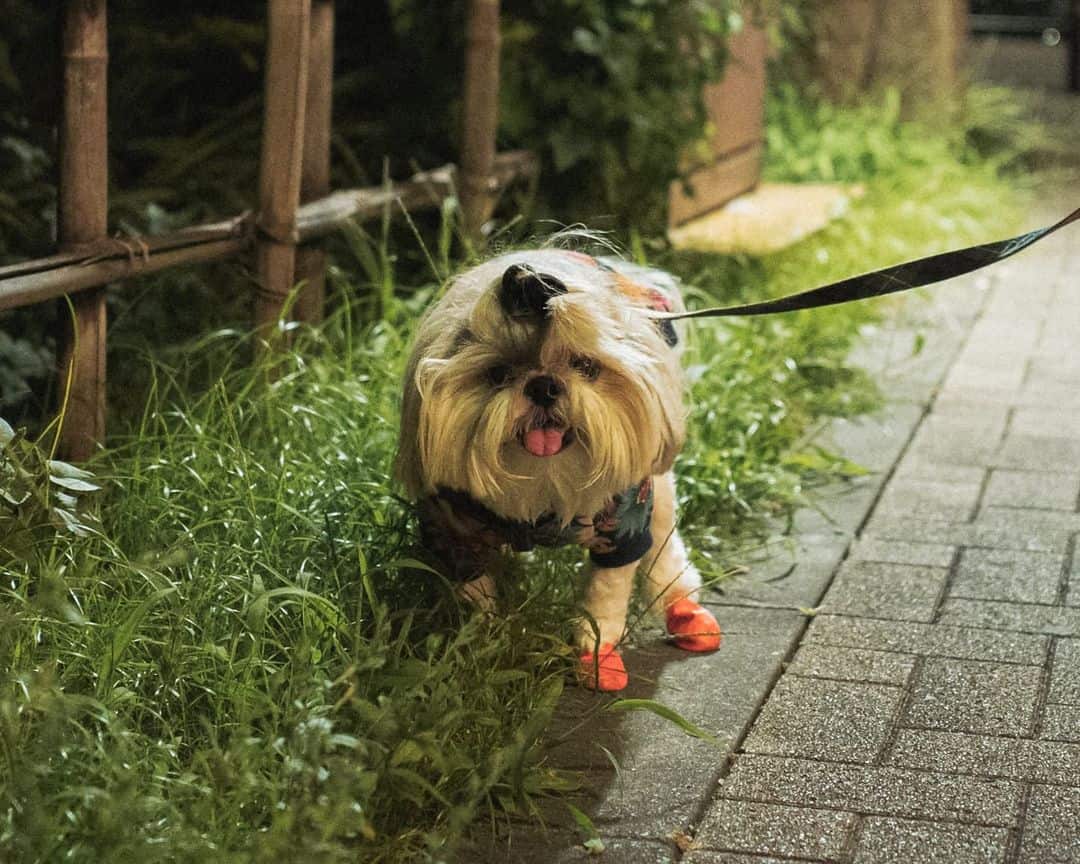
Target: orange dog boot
(692, 626)
(606, 673)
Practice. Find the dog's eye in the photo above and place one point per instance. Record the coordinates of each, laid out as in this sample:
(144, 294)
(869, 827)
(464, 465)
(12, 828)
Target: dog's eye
(586, 366)
(498, 375)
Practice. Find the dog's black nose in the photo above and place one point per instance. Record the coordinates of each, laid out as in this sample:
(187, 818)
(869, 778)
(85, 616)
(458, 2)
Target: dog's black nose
(543, 390)
(524, 293)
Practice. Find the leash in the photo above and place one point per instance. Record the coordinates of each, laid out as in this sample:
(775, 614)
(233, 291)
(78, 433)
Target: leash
(890, 280)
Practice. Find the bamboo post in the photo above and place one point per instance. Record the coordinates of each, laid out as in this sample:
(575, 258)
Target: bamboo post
(1074, 45)
(82, 218)
(287, 47)
(315, 167)
(480, 115)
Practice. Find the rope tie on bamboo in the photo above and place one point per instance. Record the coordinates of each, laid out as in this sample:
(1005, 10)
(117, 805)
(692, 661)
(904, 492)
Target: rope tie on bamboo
(285, 233)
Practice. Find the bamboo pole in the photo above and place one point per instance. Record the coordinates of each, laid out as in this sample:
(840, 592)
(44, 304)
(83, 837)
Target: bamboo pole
(315, 167)
(287, 47)
(480, 114)
(113, 260)
(1074, 45)
(82, 218)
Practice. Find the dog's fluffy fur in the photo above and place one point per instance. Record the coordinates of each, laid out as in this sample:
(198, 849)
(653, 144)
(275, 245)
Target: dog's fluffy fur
(620, 407)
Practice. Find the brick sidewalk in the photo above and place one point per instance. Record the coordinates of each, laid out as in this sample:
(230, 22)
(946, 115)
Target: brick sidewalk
(932, 710)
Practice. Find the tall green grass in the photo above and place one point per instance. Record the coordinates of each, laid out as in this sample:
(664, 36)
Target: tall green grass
(241, 663)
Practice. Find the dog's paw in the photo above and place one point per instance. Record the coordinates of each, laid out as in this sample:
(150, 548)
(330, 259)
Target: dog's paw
(606, 672)
(692, 626)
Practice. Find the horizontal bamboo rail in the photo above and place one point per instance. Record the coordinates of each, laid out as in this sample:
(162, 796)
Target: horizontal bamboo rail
(114, 260)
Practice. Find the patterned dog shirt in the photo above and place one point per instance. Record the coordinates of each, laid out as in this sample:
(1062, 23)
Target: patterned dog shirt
(462, 534)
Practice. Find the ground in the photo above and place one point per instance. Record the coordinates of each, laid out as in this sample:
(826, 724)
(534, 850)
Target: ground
(901, 683)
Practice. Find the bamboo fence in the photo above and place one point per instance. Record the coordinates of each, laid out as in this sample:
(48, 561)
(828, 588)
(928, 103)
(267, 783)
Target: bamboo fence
(295, 207)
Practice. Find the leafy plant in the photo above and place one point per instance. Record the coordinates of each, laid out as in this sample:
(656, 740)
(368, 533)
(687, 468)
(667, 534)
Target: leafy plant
(39, 496)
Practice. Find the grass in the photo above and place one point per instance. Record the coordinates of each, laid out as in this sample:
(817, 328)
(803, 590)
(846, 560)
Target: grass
(238, 662)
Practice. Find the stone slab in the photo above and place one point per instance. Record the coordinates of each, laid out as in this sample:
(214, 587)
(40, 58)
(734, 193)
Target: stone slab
(1052, 832)
(903, 552)
(935, 499)
(563, 847)
(1036, 489)
(1061, 723)
(852, 664)
(994, 528)
(884, 791)
(904, 841)
(973, 696)
(987, 756)
(1008, 574)
(1065, 674)
(1025, 618)
(1038, 452)
(774, 829)
(900, 592)
(926, 640)
(839, 721)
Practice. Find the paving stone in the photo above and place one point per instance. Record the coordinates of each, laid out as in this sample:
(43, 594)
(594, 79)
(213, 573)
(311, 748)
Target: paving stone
(1026, 618)
(1061, 723)
(927, 640)
(1033, 489)
(839, 721)
(561, 847)
(945, 472)
(795, 577)
(903, 841)
(706, 856)
(1007, 574)
(839, 510)
(995, 528)
(1065, 675)
(1055, 421)
(901, 552)
(852, 664)
(874, 441)
(883, 791)
(1052, 832)
(1038, 452)
(930, 499)
(960, 443)
(973, 696)
(774, 829)
(878, 590)
(987, 756)
(1057, 370)
(1005, 369)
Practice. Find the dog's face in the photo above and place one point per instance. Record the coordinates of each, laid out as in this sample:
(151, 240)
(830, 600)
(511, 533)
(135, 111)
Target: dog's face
(538, 384)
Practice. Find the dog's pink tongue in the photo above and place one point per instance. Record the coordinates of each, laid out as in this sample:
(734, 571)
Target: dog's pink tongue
(544, 442)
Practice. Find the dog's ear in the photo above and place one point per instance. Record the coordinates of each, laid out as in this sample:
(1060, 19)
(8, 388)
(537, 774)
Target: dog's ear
(524, 293)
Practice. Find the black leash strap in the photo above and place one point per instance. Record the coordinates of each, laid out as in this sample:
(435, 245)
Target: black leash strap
(890, 280)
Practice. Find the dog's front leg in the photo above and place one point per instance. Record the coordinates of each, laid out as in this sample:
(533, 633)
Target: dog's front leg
(672, 583)
(480, 592)
(601, 629)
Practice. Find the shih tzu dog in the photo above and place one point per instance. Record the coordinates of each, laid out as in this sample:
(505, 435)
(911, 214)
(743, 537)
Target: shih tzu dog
(543, 406)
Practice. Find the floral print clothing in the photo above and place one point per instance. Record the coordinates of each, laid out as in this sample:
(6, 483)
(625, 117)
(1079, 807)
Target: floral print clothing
(462, 534)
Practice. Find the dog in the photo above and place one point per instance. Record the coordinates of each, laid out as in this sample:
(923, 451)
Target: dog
(544, 405)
